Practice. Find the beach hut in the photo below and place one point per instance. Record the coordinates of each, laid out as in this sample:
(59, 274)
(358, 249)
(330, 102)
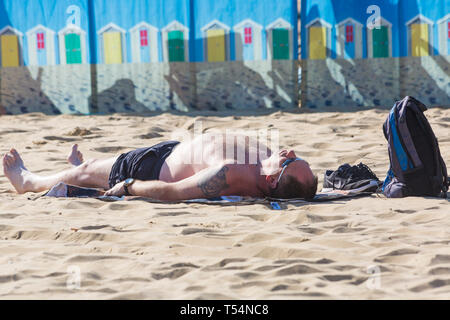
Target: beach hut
(175, 42)
(11, 45)
(349, 39)
(216, 37)
(248, 41)
(379, 40)
(144, 43)
(112, 44)
(280, 40)
(41, 46)
(420, 36)
(444, 35)
(318, 38)
(72, 45)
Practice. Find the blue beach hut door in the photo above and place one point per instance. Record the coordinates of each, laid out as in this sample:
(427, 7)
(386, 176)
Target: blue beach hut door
(349, 41)
(41, 48)
(144, 45)
(248, 44)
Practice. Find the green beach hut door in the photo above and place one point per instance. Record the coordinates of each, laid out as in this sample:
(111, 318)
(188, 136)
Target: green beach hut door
(380, 42)
(176, 46)
(280, 44)
(73, 48)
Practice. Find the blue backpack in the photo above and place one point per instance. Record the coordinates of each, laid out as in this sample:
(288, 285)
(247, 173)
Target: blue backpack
(416, 164)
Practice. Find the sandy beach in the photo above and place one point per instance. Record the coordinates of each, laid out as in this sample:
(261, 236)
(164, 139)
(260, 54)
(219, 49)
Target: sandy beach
(365, 248)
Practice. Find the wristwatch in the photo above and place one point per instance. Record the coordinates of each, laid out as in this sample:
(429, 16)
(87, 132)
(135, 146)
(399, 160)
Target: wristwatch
(128, 183)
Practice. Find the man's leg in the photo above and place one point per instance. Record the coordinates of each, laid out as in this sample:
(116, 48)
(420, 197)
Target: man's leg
(89, 174)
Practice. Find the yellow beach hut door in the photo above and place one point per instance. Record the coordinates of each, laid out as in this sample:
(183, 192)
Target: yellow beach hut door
(317, 43)
(216, 45)
(419, 40)
(112, 47)
(10, 50)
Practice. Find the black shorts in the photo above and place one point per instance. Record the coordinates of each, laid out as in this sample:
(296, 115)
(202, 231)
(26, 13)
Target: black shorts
(141, 164)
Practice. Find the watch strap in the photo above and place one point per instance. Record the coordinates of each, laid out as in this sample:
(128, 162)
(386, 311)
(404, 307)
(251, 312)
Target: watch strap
(125, 188)
(126, 185)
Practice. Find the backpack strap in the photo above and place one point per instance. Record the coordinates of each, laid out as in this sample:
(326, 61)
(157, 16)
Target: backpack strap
(446, 181)
(407, 140)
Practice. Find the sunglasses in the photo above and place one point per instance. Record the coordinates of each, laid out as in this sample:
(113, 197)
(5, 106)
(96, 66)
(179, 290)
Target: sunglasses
(284, 166)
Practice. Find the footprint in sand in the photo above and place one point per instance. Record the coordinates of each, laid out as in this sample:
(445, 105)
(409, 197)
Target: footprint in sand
(173, 214)
(189, 231)
(95, 227)
(55, 138)
(110, 149)
(321, 145)
(405, 211)
(223, 263)
(314, 231)
(11, 131)
(296, 269)
(440, 258)
(150, 135)
(280, 287)
(396, 256)
(347, 230)
(314, 218)
(92, 258)
(439, 271)
(174, 274)
(335, 278)
(438, 283)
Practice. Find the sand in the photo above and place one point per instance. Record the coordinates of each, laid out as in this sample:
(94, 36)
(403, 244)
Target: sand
(366, 248)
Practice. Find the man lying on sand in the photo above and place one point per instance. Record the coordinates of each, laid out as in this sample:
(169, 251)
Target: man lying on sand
(205, 167)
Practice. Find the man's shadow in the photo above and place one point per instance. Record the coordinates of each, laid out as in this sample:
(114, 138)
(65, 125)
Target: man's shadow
(120, 98)
(234, 85)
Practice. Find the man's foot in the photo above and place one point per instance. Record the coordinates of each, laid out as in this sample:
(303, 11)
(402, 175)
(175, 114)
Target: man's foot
(75, 158)
(14, 169)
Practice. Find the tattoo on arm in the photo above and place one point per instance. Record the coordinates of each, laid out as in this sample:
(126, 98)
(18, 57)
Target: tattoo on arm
(213, 182)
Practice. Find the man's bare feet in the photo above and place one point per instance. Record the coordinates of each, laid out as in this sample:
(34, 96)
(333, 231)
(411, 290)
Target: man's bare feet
(14, 169)
(75, 157)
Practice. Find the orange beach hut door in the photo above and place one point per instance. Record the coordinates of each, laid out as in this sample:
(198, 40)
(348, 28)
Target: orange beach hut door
(10, 50)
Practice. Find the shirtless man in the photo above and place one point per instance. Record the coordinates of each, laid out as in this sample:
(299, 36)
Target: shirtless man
(202, 167)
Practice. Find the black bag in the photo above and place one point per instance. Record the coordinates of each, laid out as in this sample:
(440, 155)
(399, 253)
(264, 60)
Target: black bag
(416, 164)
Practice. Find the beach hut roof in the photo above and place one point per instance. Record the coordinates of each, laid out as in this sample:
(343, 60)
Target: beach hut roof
(11, 29)
(246, 22)
(420, 18)
(349, 20)
(71, 28)
(39, 27)
(444, 19)
(215, 24)
(279, 23)
(145, 25)
(383, 22)
(174, 26)
(111, 26)
(319, 21)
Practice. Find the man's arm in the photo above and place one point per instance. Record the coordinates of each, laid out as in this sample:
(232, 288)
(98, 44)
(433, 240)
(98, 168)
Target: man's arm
(208, 183)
